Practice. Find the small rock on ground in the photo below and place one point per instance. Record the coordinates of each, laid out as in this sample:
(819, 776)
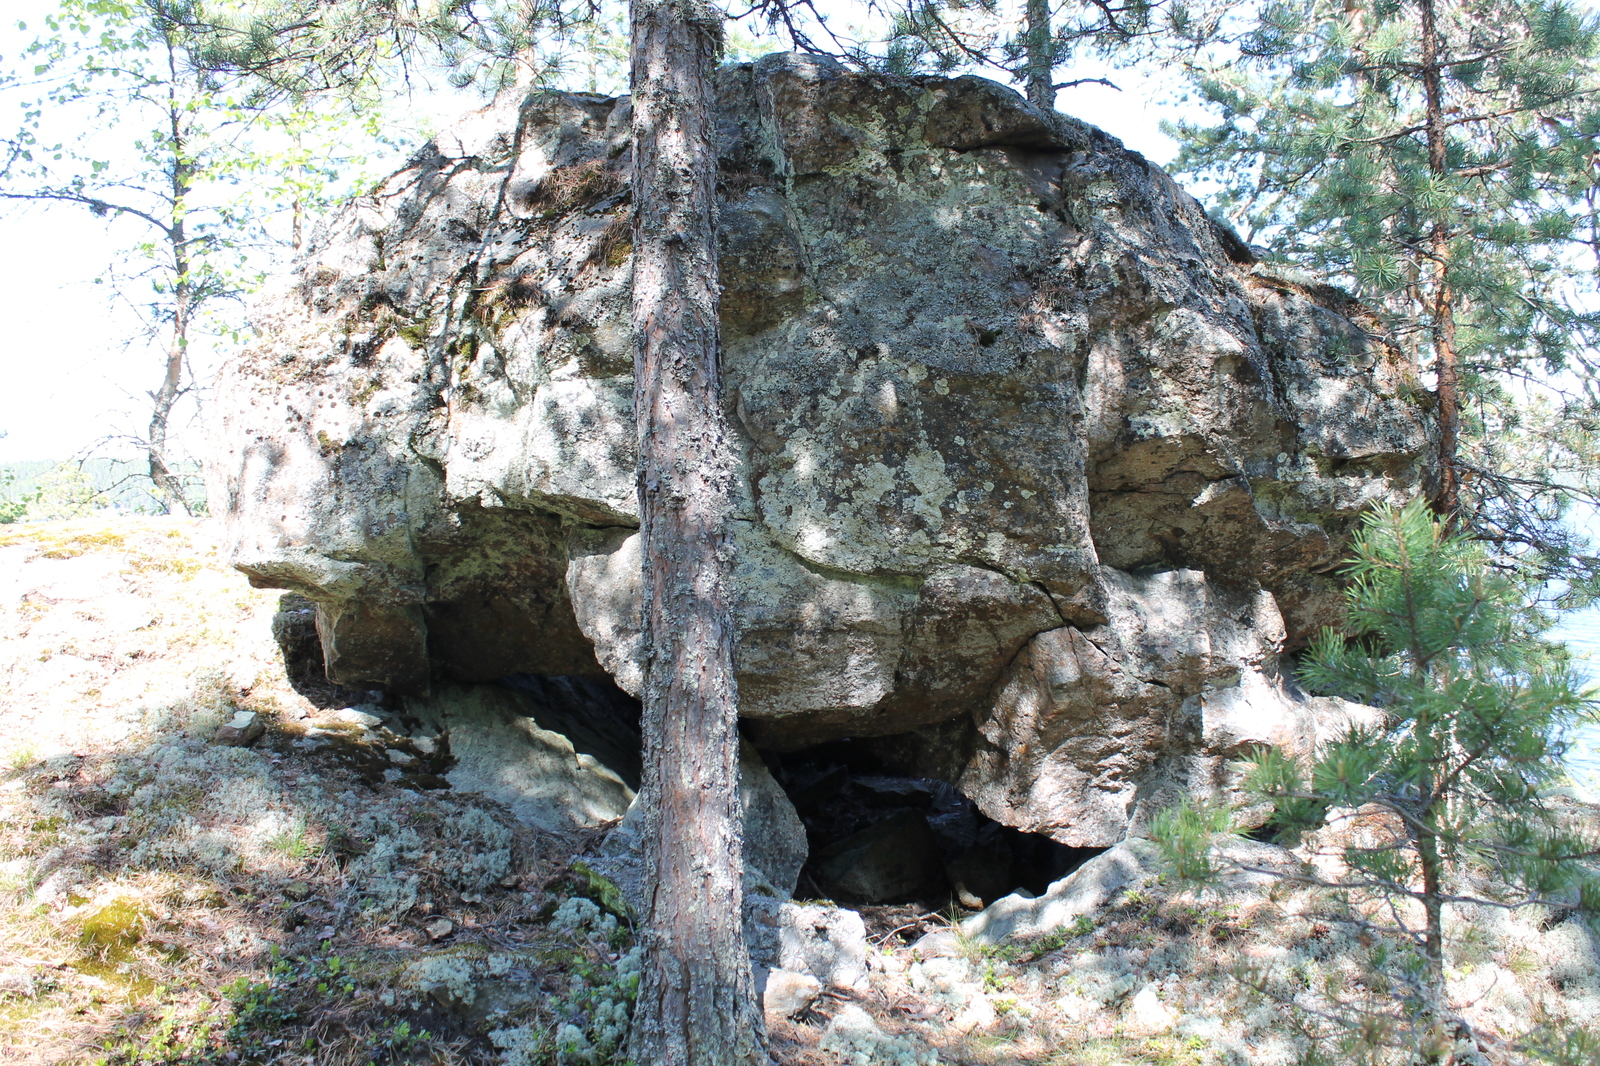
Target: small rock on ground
(787, 995)
(241, 729)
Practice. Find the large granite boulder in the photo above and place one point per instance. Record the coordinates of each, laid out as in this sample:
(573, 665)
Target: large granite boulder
(1028, 442)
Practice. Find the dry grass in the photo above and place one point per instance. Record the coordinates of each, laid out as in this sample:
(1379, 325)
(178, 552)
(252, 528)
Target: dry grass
(227, 912)
(567, 189)
(167, 900)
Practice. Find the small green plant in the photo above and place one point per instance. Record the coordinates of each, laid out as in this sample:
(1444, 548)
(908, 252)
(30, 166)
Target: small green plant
(1184, 834)
(294, 987)
(1054, 940)
(1578, 1047)
(1082, 925)
(332, 976)
(22, 757)
(969, 949)
(292, 842)
(403, 1038)
(263, 1005)
(169, 1043)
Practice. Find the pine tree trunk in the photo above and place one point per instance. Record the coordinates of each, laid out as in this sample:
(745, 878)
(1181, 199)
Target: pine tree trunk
(1434, 1037)
(1040, 58)
(696, 1004)
(1446, 492)
(1431, 738)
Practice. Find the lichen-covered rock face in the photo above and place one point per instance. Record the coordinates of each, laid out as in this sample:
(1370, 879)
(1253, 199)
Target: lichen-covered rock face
(1022, 444)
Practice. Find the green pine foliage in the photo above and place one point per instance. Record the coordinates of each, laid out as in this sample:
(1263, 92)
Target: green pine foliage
(356, 49)
(1025, 43)
(1475, 709)
(1436, 157)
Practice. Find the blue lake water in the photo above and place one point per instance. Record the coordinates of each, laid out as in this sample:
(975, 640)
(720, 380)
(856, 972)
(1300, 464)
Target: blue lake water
(1581, 632)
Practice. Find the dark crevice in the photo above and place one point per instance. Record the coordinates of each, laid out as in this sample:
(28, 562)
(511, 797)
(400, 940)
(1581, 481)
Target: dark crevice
(881, 837)
(1055, 604)
(1265, 833)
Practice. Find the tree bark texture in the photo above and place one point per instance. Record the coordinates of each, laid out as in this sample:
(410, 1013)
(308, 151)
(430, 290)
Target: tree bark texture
(1446, 494)
(1039, 56)
(696, 1004)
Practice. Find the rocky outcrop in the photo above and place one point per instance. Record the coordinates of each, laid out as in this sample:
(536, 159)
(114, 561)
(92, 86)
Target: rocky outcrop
(1243, 864)
(1085, 719)
(1024, 444)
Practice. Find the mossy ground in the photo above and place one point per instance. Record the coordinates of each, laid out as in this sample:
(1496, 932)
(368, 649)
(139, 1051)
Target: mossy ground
(164, 899)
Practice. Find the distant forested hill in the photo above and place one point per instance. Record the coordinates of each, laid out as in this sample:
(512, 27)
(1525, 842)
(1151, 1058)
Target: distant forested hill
(57, 489)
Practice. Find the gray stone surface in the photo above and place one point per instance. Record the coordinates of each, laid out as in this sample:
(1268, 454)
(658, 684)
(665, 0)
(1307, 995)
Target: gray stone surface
(1008, 415)
(240, 730)
(785, 994)
(775, 846)
(502, 751)
(1097, 882)
(774, 837)
(829, 943)
(1088, 721)
(941, 944)
(1088, 888)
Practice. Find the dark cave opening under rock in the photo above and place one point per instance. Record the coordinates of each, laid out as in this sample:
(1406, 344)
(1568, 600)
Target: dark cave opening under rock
(879, 837)
(880, 830)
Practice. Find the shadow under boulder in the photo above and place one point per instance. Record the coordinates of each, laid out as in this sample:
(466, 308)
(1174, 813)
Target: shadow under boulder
(881, 837)
(561, 753)
(294, 629)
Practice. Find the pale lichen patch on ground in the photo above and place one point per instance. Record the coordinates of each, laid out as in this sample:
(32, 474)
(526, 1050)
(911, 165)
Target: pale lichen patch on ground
(167, 899)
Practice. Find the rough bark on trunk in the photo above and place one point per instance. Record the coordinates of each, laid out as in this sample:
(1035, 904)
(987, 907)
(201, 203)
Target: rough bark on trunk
(1434, 1039)
(1040, 58)
(1432, 741)
(1445, 496)
(696, 1004)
